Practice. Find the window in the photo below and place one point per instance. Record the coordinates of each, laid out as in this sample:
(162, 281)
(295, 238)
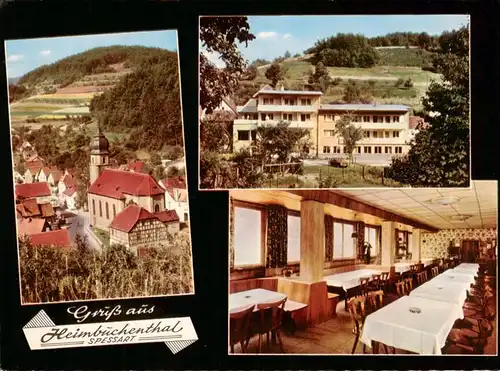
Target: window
(329, 133)
(358, 149)
(372, 236)
(267, 101)
(366, 134)
(366, 118)
(263, 117)
(395, 118)
(345, 149)
(387, 134)
(376, 119)
(186, 217)
(326, 149)
(356, 118)
(243, 135)
(388, 149)
(368, 149)
(293, 252)
(157, 208)
(93, 206)
(287, 117)
(100, 209)
(305, 102)
(343, 244)
(305, 117)
(253, 134)
(378, 149)
(395, 134)
(329, 117)
(336, 149)
(247, 236)
(107, 211)
(410, 235)
(375, 134)
(398, 150)
(114, 211)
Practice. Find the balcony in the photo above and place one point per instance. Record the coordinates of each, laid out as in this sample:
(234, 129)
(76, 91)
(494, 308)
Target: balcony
(382, 125)
(293, 124)
(285, 108)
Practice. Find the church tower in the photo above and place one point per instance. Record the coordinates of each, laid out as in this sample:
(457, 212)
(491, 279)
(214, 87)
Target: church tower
(99, 155)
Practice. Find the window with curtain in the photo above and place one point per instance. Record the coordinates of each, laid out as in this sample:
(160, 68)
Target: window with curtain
(247, 237)
(343, 244)
(372, 236)
(293, 231)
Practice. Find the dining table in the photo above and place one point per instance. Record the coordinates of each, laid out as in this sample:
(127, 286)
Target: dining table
(402, 267)
(243, 299)
(412, 323)
(438, 290)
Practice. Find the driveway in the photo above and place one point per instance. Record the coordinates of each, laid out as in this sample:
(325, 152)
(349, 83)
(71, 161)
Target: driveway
(360, 159)
(80, 224)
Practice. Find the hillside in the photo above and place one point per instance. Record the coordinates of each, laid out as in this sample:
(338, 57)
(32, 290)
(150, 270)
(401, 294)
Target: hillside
(393, 64)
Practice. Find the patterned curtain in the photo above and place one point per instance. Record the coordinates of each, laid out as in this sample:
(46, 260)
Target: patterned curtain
(231, 233)
(277, 236)
(328, 238)
(361, 238)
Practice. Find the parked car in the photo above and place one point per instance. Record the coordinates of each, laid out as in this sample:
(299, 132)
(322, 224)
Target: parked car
(337, 162)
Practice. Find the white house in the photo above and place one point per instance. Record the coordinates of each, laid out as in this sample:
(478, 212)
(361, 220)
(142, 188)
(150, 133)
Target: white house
(69, 197)
(176, 196)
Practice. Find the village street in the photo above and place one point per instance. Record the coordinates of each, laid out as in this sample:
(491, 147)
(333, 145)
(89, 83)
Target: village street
(80, 224)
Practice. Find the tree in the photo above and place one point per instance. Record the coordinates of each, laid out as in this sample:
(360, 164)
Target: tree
(356, 94)
(439, 153)
(219, 35)
(399, 82)
(320, 79)
(155, 159)
(275, 74)
(287, 55)
(350, 133)
(159, 172)
(216, 132)
(408, 83)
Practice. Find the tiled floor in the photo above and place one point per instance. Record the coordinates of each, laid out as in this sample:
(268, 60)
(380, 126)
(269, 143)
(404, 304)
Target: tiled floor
(331, 337)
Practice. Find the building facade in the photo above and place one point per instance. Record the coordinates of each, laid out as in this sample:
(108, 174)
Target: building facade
(386, 128)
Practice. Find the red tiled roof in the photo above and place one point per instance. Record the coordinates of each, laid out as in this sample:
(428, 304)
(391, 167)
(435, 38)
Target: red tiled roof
(47, 210)
(28, 208)
(58, 237)
(137, 166)
(174, 182)
(34, 169)
(68, 180)
(167, 216)
(30, 226)
(56, 175)
(116, 183)
(128, 218)
(70, 191)
(32, 190)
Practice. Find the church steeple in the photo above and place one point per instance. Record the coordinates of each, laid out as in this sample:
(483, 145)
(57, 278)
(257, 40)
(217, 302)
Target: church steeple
(99, 154)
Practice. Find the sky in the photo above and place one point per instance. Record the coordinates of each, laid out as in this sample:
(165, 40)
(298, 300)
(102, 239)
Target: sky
(277, 34)
(25, 55)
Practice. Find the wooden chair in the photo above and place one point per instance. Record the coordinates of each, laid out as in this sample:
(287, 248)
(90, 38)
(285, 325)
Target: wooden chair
(434, 271)
(384, 280)
(357, 311)
(363, 285)
(239, 327)
(374, 284)
(269, 320)
(401, 288)
(421, 277)
(376, 300)
(408, 284)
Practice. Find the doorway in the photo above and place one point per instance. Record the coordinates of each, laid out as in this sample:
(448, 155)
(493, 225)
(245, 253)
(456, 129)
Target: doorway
(470, 251)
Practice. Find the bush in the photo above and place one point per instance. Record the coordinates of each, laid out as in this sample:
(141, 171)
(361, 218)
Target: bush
(408, 83)
(399, 82)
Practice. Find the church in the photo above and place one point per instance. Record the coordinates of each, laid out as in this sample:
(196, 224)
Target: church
(112, 190)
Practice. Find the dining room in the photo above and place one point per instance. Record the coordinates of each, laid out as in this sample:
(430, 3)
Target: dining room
(372, 271)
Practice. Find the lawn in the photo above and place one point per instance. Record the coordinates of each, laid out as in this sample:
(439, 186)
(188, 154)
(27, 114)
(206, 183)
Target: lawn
(103, 236)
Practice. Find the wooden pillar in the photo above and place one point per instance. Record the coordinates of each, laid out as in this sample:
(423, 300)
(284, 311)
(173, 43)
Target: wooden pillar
(312, 240)
(388, 243)
(416, 251)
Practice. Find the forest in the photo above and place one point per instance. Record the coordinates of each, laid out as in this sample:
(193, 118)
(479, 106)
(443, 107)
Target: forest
(93, 61)
(51, 274)
(145, 103)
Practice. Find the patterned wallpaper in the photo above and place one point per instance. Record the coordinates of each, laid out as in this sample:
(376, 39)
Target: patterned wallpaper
(435, 245)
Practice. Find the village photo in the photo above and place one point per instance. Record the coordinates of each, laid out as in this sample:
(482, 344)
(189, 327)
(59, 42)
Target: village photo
(334, 101)
(372, 271)
(99, 167)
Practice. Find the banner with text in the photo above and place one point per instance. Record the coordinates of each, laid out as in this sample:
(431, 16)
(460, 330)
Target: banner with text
(42, 333)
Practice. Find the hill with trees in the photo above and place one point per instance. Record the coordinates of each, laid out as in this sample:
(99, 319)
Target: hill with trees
(93, 61)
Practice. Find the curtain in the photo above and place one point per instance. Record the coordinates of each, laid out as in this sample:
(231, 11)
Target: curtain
(328, 238)
(277, 236)
(361, 239)
(231, 233)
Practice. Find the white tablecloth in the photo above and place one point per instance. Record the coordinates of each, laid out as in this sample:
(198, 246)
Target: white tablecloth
(438, 290)
(473, 266)
(423, 333)
(469, 271)
(452, 276)
(402, 267)
(443, 280)
(350, 279)
(427, 262)
(257, 296)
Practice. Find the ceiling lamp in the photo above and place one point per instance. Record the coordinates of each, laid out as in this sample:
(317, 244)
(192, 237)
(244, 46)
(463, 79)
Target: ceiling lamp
(445, 201)
(460, 217)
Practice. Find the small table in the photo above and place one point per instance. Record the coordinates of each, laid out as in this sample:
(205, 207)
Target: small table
(424, 333)
(348, 280)
(402, 267)
(452, 276)
(258, 296)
